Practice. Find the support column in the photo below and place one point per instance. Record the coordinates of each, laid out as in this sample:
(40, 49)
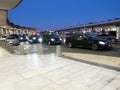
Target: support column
(0, 31)
(3, 17)
(118, 32)
(11, 31)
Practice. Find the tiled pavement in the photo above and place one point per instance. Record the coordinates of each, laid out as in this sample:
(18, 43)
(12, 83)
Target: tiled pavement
(49, 72)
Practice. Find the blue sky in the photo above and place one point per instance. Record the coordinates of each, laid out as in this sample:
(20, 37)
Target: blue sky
(57, 14)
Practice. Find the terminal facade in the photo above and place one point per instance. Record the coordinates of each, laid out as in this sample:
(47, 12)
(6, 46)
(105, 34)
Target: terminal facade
(107, 26)
(5, 27)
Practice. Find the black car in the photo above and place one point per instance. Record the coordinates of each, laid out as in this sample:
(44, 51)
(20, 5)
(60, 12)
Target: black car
(65, 36)
(35, 39)
(88, 41)
(23, 37)
(15, 35)
(52, 39)
(107, 36)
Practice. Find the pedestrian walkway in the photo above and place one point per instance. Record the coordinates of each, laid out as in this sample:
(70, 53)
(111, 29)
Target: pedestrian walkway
(49, 72)
(4, 53)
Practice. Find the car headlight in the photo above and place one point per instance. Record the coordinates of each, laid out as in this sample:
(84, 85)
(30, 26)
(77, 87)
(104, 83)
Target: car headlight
(100, 42)
(40, 39)
(34, 38)
(21, 38)
(60, 39)
(52, 39)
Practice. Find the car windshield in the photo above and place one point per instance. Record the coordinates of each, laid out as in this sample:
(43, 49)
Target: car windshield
(4, 36)
(14, 35)
(22, 35)
(37, 36)
(69, 34)
(11, 37)
(90, 36)
(54, 36)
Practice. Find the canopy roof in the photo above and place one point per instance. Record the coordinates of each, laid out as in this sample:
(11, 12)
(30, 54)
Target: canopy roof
(9, 4)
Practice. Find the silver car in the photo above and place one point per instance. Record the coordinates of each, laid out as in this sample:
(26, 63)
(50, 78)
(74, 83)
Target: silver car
(12, 40)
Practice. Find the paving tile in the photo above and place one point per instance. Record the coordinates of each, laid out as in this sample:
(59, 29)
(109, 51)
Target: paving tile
(41, 70)
(7, 86)
(109, 88)
(35, 83)
(56, 75)
(115, 83)
(75, 86)
(52, 87)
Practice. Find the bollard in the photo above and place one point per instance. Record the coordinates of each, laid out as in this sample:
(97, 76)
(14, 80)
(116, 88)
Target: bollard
(4, 45)
(59, 51)
(10, 48)
(0, 44)
(41, 49)
(7, 46)
(21, 49)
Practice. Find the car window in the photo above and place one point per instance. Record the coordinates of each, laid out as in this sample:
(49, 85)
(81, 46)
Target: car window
(78, 37)
(91, 36)
(14, 35)
(11, 37)
(4, 36)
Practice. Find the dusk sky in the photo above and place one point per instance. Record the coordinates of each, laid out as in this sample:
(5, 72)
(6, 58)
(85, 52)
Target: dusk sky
(57, 14)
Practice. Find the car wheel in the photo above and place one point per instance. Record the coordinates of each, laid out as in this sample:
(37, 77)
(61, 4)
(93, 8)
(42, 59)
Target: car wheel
(70, 45)
(94, 47)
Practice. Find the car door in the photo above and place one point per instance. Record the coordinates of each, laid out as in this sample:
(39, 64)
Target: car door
(77, 40)
(83, 41)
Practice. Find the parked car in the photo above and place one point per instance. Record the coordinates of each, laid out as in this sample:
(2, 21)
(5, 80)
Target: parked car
(107, 36)
(35, 39)
(15, 35)
(3, 38)
(23, 37)
(88, 41)
(13, 40)
(52, 39)
(65, 36)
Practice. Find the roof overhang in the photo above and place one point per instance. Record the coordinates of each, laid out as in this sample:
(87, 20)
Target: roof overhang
(9, 4)
(107, 23)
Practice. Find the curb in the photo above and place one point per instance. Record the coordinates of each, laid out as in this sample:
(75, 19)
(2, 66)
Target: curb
(94, 63)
